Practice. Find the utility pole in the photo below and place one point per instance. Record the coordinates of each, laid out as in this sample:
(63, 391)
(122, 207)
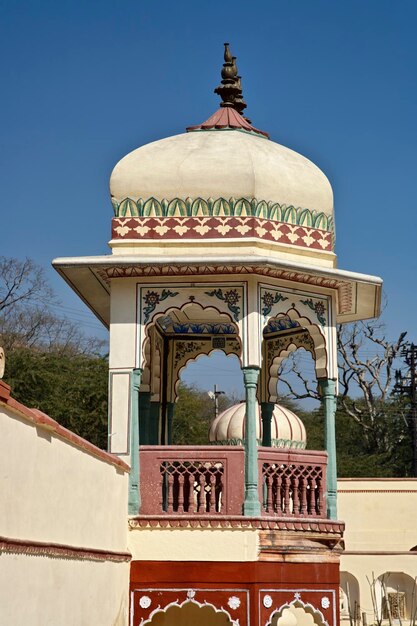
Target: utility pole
(214, 395)
(407, 386)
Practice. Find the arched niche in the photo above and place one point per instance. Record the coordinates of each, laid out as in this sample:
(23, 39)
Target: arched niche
(190, 613)
(297, 613)
(395, 593)
(349, 597)
(283, 335)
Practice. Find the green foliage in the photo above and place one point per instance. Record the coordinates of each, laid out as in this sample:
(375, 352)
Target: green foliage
(70, 389)
(193, 413)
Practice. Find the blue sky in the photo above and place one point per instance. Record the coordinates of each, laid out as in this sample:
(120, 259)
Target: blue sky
(86, 82)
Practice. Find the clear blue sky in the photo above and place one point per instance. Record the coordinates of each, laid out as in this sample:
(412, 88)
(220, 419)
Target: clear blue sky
(83, 83)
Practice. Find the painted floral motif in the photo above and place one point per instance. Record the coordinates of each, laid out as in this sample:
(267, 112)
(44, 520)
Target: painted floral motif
(233, 602)
(325, 602)
(153, 298)
(190, 594)
(186, 347)
(231, 298)
(239, 207)
(269, 300)
(297, 596)
(196, 328)
(267, 601)
(145, 602)
(318, 308)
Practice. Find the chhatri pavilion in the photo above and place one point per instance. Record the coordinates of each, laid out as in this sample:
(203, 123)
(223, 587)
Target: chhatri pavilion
(224, 240)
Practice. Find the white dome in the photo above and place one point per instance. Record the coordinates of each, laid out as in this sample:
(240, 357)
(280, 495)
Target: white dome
(287, 430)
(221, 164)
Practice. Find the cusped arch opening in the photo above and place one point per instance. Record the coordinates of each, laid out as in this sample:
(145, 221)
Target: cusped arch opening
(190, 613)
(297, 614)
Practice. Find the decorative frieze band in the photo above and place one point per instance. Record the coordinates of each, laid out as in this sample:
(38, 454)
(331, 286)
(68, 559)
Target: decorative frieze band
(211, 521)
(60, 551)
(216, 227)
(239, 207)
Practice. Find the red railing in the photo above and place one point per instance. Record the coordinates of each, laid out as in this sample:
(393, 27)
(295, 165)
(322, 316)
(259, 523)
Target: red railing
(209, 480)
(197, 480)
(293, 482)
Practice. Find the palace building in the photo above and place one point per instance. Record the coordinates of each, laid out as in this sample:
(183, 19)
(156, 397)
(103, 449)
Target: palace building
(221, 240)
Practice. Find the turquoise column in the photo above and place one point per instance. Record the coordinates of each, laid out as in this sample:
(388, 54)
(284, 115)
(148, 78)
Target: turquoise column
(155, 416)
(144, 416)
(170, 415)
(267, 408)
(134, 489)
(251, 505)
(328, 399)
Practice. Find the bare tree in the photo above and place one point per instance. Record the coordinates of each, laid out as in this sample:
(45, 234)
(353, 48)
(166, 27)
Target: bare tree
(27, 319)
(366, 359)
(366, 364)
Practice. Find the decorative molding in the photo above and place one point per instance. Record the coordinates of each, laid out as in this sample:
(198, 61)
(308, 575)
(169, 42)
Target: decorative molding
(343, 287)
(239, 207)
(220, 227)
(303, 525)
(60, 551)
(195, 328)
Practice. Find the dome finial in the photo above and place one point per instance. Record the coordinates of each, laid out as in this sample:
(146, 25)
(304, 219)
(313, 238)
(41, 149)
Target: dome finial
(230, 88)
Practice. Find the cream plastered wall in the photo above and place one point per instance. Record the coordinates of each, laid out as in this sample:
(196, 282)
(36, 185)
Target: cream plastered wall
(378, 513)
(218, 248)
(380, 532)
(52, 491)
(162, 544)
(44, 591)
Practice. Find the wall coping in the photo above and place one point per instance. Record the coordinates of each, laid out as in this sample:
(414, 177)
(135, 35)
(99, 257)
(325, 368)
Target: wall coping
(43, 421)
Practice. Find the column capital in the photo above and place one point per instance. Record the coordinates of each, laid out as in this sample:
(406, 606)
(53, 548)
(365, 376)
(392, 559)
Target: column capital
(250, 375)
(327, 387)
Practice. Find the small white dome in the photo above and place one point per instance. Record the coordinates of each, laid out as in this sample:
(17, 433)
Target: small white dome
(287, 430)
(221, 164)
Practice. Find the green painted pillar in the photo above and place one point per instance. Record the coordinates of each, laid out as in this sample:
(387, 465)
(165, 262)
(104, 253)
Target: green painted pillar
(134, 488)
(251, 505)
(328, 399)
(267, 408)
(144, 416)
(170, 415)
(155, 415)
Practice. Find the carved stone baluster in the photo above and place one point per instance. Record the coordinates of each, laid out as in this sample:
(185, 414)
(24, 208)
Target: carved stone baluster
(170, 494)
(212, 494)
(220, 492)
(268, 485)
(188, 491)
(181, 493)
(278, 494)
(319, 498)
(312, 503)
(303, 496)
(295, 495)
(286, 487)
(201, 496)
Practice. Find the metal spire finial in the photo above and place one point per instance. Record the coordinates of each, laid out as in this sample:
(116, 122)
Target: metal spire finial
(230, 88)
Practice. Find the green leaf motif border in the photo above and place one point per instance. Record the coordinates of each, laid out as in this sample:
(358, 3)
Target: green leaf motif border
(241, 207)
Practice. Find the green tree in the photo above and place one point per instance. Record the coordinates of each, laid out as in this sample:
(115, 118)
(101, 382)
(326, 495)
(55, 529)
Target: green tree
(194, 412)
(72, 389)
